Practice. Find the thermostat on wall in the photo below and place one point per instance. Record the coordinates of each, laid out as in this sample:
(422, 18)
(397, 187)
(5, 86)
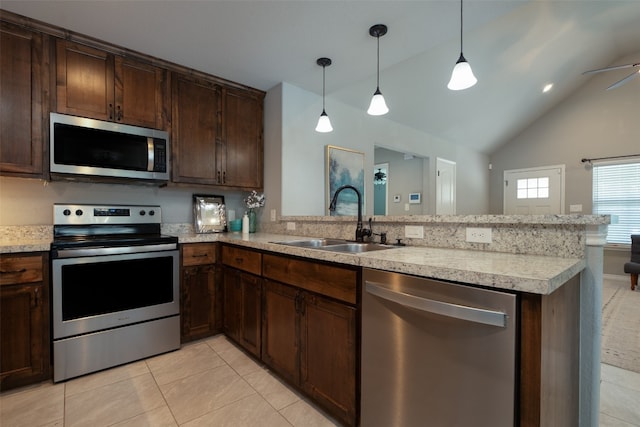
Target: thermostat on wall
(414, 198)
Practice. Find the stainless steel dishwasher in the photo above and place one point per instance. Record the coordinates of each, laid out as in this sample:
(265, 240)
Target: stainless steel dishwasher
(436, 354)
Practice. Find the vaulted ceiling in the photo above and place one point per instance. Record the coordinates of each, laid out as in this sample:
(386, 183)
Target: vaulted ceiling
(515, 48)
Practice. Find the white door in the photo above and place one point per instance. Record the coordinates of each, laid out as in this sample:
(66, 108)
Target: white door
(534, 191)
(445, 187)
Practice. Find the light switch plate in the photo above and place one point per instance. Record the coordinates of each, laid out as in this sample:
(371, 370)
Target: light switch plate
(478, 235)
(273, 215)
(291, 226)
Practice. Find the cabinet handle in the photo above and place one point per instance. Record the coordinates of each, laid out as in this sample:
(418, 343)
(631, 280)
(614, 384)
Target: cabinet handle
(219, 177)
(110, 111)
(199, 255)
(119, 113)
(36, 299)
(22, 270)
(224, 177)
(239, 260)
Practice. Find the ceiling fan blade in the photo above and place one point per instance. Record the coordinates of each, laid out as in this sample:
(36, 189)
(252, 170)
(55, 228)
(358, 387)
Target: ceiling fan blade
(625, 80)
(615, 67)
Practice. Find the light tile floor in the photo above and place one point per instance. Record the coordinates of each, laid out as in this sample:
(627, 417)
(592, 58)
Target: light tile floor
(213, 383)
(206, 383)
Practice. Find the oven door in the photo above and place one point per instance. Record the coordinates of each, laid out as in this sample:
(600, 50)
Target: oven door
(108, 291)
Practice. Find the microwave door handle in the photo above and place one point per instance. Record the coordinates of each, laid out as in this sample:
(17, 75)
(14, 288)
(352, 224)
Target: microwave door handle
(456, 311)
(150, 154)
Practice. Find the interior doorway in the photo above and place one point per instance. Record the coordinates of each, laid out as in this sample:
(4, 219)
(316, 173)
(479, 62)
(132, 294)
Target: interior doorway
(445, 187)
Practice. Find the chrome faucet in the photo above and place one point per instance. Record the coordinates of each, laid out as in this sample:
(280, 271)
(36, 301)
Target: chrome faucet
(361, 232)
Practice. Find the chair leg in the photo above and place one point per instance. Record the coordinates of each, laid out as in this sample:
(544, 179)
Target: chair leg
(634, 280)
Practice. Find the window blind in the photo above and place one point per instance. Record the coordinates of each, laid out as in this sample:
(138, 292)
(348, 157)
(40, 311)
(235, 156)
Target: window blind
(616, 192)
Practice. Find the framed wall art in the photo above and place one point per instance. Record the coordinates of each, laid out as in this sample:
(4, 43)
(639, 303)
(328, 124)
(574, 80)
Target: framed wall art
(344, 167)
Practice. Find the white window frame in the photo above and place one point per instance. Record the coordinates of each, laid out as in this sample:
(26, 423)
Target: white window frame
(623, 222)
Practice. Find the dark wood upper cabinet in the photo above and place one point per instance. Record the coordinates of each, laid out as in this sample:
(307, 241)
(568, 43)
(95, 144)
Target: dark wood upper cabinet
(242, 159)
(216, 133)
(23, 74)
(98, 84)
(195, 131)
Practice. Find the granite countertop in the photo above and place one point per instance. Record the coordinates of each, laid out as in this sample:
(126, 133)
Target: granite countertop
(526, 273)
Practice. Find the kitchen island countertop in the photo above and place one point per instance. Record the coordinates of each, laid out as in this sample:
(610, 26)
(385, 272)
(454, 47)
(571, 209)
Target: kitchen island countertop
(526, 273)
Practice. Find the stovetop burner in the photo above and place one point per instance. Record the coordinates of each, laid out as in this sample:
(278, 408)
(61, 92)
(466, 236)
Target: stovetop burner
(80, 226)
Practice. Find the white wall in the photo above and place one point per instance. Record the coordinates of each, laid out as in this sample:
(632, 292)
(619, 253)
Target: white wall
(30, 201)
(593, 122)
(303, 152)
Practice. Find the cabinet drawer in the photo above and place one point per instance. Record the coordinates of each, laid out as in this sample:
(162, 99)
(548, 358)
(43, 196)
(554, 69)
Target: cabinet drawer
(335, 282)
(198, 254)
(242, 259)
(20, 269)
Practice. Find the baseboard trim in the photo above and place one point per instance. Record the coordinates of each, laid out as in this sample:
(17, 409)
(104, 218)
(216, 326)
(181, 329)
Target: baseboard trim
(615, 277)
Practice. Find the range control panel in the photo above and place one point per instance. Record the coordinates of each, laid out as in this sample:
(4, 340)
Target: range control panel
(80, 214)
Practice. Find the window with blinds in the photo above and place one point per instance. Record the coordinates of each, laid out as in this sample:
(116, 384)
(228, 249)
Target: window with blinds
(616, 192)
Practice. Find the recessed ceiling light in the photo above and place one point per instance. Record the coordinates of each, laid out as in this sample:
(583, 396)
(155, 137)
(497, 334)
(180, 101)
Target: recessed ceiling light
(547, 87)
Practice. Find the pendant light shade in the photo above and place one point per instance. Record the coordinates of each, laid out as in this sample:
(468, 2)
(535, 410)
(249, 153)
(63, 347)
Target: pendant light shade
(324, 124)
(462, 77)
(378, 106)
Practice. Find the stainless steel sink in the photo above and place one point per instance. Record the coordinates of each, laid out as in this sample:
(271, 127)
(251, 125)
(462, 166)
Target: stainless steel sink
(336, 245)
(313, 243)
(355, 247)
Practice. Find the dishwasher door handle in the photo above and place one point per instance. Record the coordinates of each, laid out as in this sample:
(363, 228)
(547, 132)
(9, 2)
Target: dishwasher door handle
(457, 311)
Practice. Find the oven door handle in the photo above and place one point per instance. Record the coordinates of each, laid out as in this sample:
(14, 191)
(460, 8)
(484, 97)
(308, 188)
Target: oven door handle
(119, 250)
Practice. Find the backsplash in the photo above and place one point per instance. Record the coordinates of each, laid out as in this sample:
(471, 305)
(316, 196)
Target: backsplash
(553, 235)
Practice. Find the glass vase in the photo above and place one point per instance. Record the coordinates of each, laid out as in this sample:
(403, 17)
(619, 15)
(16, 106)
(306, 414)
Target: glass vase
(252, 220)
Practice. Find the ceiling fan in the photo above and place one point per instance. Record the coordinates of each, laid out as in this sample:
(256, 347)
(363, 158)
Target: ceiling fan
(619, 67)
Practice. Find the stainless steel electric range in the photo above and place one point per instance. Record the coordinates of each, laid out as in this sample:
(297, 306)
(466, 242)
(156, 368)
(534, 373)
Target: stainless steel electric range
(115, 287)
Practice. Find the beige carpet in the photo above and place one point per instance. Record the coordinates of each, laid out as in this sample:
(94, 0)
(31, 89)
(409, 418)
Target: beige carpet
(621, 325)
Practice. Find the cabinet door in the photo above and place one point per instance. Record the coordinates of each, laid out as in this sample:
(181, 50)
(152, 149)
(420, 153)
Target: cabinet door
(251, 331)
(328, 354)
(232, 303)
(280, 330)
(22, 76)
(140, 92)
(242, 155)
(22, 346)
(85, 81)
(198, 316)
(195, 131)
(242, 309)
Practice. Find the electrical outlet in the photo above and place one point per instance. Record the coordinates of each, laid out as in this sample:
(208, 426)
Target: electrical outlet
(478, 235)
(273, 215)
(414, 231)
(291, 226)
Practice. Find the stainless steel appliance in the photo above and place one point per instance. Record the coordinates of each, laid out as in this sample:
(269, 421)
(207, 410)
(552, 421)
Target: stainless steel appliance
(436, 353)
(115, 287)
(85, 149)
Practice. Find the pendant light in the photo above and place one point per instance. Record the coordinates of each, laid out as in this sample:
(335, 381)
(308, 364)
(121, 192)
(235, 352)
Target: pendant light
(324, 124)
(462, 77)
(378, 107)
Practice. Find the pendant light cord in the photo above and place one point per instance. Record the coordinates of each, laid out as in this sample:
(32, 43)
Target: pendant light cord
(323, 68)
(461, 26)
(378, 74)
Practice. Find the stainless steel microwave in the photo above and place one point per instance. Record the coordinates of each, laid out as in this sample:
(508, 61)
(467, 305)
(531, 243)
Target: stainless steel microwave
(88, 149)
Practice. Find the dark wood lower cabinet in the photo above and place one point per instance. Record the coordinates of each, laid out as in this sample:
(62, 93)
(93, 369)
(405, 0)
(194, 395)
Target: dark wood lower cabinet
(198, 302)
(24, 320)
(242, 308)
(200, 313)
(311, 341)
(328, 354)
